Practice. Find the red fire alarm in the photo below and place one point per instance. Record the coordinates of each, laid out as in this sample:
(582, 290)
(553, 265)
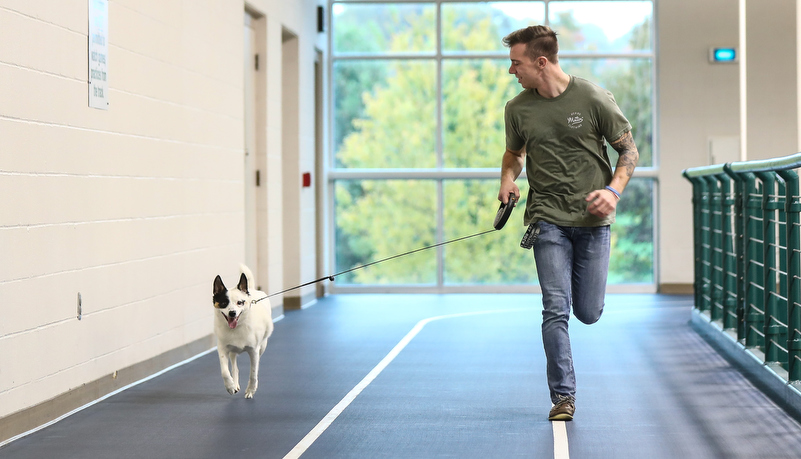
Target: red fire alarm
(306, 179)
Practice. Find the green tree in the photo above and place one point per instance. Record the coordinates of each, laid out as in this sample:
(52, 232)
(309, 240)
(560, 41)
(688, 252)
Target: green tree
(388, 120)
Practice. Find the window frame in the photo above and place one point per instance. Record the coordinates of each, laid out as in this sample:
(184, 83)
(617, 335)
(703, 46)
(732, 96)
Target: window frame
(440, 174)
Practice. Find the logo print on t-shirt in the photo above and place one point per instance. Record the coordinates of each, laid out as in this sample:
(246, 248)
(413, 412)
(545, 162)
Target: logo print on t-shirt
(575, 120)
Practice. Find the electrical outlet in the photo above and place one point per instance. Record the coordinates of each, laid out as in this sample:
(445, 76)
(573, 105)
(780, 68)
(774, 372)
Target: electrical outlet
(80, 306)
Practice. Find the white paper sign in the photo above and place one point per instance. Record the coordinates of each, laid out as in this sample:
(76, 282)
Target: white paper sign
(98, 54)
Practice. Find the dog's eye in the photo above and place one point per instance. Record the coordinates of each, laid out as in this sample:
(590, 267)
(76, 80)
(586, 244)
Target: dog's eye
(240, 302)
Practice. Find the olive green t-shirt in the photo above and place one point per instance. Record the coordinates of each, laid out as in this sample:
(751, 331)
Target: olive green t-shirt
(565, 157)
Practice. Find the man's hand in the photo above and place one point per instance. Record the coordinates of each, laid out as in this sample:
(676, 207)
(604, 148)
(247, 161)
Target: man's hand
(506, 189)
(511, 166)
(602, 203)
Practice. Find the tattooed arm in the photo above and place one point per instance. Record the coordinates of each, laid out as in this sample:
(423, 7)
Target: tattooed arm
(629, 156)
(603, 202)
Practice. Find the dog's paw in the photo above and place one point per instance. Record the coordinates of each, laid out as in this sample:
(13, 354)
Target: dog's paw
(250, 391)
(231, 387)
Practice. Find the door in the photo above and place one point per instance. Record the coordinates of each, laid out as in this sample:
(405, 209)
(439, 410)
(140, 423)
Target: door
(252, 177)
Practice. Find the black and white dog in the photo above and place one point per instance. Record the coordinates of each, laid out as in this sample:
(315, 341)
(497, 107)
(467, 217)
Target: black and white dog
(241, 326)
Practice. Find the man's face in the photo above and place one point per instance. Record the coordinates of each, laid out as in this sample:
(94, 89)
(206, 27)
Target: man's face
(525, 69)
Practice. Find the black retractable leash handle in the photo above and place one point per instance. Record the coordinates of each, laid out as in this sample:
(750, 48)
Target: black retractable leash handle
(504, 211)
(501, 217)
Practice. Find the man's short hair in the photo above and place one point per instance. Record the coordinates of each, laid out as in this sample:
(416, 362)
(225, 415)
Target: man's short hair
(540, 41)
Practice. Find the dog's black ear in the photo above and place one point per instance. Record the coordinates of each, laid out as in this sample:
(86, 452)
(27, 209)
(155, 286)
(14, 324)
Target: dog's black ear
(218, 285)
(243, 284)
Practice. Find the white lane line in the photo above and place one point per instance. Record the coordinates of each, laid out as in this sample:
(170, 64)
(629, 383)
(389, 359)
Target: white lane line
(560, 446)
(329, 418)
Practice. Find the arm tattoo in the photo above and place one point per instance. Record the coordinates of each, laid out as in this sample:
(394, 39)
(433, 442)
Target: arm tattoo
(628, 153)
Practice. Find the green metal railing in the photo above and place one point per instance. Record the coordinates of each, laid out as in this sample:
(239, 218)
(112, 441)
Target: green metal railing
(748, 254)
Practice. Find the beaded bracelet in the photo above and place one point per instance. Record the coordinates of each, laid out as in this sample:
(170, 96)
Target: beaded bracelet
(614, 191)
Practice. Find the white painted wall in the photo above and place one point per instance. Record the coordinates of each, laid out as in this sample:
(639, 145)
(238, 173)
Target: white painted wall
(696, 101)
(772, 78)
(699, 102)
(138, 207)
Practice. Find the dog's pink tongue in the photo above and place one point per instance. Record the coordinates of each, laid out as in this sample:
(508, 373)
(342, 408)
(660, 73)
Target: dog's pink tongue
(232, 323)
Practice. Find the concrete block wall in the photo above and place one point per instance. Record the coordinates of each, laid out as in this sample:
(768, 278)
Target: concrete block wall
(138, 207)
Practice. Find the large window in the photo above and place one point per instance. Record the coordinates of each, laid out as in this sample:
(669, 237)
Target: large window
(418, 92)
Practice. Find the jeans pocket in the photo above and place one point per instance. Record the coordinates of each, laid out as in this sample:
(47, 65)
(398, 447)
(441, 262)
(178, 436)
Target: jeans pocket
(546, 230)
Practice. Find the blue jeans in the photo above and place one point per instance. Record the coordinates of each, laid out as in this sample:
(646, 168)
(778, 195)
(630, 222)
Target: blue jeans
(572, 265)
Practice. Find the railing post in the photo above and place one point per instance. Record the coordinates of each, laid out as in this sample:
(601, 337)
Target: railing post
(696, 238)
(772, 330)
(739, 246)
(792, 208)
(753, 315)
(696, 199)
(716, 293)
(729, 267)
(705, 282)
(782, 300)
(781, 223)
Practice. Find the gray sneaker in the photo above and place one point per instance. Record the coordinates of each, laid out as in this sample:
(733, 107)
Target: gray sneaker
(563, 409)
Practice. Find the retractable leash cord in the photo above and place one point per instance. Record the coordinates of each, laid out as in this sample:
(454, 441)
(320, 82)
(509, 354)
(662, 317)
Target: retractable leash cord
(504, 211)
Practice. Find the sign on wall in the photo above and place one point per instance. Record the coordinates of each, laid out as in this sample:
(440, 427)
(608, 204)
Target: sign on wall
(98, 54)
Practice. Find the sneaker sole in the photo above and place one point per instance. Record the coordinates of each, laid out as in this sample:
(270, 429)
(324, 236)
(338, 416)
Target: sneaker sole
(561, 417)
